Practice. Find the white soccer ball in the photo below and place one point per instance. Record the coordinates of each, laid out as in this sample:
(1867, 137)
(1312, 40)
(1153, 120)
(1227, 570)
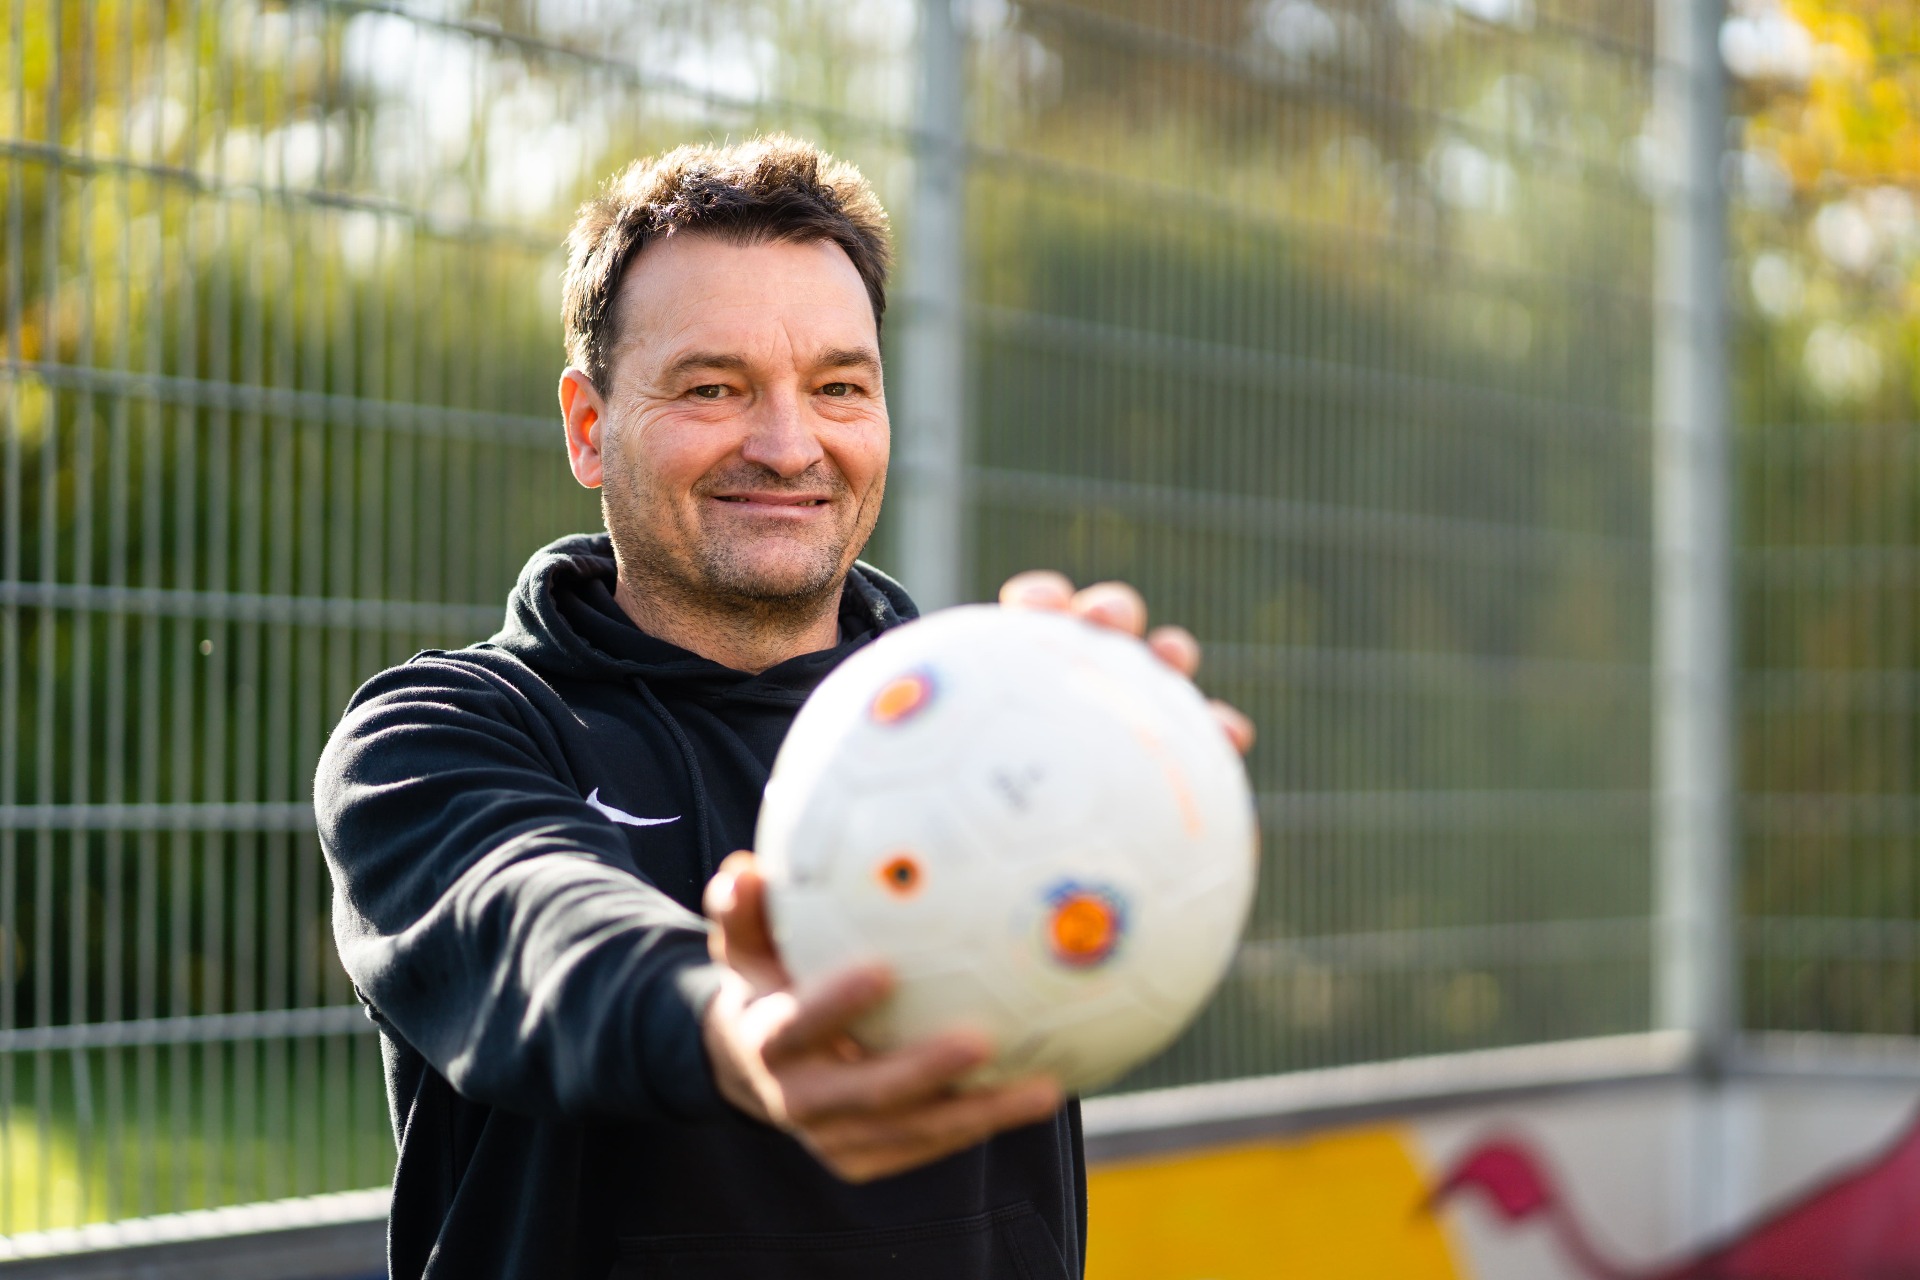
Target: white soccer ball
(1038, 826)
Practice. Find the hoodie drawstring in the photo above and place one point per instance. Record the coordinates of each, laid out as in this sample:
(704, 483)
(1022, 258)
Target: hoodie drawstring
(702, 823)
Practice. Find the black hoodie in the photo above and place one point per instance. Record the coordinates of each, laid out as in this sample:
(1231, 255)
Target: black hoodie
(519, 833)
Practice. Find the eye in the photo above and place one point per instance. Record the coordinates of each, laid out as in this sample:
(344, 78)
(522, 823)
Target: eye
(839, 390)
(710, 391)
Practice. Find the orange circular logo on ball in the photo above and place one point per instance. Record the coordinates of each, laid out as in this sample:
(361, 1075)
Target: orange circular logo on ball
(1084, 924)
(901, 875)
(900, 699)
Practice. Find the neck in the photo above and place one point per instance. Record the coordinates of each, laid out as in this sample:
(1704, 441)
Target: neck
(747, 636)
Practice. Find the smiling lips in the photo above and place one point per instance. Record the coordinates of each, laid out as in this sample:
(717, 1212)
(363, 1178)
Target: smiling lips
(775, 502)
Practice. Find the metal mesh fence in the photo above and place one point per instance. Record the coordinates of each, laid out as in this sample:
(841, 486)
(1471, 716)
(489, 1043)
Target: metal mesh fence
(1327, 323)
(1827, 241)
(260, 441)
(281, 338)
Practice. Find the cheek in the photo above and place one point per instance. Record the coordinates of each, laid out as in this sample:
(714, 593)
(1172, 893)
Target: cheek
(671, 452)
(860, 450)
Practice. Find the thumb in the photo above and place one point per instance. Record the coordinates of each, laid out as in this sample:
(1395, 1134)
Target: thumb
(736, 901)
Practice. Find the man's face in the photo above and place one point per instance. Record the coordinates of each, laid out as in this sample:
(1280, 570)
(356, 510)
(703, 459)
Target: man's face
(745, 449)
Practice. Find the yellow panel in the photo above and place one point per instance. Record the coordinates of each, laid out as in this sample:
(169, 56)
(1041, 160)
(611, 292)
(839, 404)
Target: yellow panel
(1339, 1206)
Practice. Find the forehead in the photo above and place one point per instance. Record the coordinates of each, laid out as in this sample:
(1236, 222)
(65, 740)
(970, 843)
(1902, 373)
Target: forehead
(692, 292)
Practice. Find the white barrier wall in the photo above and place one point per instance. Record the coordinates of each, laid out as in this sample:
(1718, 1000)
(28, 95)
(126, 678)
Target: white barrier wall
(1615, 1183)
(1769, 1176)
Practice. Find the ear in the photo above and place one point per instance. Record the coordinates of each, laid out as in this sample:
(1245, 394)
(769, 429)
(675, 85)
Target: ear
(584, 413)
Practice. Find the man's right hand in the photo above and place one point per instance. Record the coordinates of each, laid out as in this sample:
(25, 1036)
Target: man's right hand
(783, 1055)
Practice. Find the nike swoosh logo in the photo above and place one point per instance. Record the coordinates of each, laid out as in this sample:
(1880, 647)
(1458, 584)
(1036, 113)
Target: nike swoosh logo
(625, 818)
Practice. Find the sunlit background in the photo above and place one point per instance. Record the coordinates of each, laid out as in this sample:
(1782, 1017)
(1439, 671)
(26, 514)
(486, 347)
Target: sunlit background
(1329, 323)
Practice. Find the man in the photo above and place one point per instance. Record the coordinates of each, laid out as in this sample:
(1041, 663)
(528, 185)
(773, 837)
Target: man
(587, 1078)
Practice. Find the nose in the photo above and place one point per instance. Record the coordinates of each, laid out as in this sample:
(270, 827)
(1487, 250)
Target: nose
(781, 438)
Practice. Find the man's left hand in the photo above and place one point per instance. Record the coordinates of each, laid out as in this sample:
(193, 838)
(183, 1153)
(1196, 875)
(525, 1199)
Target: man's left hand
(1117, 605)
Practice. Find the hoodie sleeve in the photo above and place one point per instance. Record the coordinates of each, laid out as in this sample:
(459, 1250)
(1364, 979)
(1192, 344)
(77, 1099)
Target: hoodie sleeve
(494, 921)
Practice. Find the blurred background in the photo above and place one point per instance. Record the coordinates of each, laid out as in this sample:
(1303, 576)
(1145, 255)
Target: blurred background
(1517, 397)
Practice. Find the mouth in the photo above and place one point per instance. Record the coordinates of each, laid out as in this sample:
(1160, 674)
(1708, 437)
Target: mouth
(775, 501)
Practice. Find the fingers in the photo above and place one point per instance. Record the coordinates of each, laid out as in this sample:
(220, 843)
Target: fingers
(719, 896)
(736, 901)
(739, 1075)
(816, 1016)
(918, 1073)
(860, 1148)
(1117, 605)
(1037, 589)
(1176, 647)
(1112, 604)
(1239, 728)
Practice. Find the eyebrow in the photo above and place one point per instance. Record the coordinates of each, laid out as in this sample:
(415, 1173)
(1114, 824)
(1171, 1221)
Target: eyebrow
(849, 358)
(694, 360)
(832, 358)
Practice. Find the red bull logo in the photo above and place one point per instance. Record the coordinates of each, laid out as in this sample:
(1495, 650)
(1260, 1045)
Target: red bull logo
(1861, 1225)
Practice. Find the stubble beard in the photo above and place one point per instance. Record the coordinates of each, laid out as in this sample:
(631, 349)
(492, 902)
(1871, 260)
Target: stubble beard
(714, 578)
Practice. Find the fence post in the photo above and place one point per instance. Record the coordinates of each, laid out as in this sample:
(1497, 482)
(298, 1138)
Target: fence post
(1696, 943)
(930, 476)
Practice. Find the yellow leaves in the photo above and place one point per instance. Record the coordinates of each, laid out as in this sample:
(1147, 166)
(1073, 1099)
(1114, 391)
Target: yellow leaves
(28, 338)
(1870, 128)
(1844, 37)
(1799, 154)
(26, 410)
(1861, 132)
(1886, 97)
(1847, 136)
(1857, 117)
(1866, 27)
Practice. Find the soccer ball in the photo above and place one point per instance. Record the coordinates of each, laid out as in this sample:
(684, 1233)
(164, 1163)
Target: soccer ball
(1033, 821)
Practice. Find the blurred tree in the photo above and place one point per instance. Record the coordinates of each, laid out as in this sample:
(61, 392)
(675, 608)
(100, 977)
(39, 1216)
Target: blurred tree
(1326, 320)
(1826, 278)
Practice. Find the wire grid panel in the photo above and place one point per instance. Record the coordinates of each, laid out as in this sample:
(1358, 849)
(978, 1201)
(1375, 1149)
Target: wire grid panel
(1827, 241)
(281, 339)
(1328, 325)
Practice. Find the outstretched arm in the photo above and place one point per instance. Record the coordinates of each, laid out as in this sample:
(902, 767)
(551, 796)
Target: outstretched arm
(497, 923)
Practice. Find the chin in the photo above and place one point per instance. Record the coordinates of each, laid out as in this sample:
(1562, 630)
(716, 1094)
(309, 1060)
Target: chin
(778, 578)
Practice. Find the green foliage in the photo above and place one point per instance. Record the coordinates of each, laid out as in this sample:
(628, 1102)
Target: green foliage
(1826, 278)
(1331, 332)
(1417, 559)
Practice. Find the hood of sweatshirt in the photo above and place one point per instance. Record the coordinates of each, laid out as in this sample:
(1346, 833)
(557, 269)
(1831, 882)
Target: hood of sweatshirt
(562, 619)
(726, 725)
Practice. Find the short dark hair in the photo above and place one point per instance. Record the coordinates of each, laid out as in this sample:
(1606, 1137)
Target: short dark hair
(772, 187)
